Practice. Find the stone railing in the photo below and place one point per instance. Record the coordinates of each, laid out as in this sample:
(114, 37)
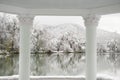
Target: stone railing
(42, 78)
(56, 78)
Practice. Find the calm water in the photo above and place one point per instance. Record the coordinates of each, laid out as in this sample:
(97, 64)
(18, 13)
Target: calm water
(58, 64)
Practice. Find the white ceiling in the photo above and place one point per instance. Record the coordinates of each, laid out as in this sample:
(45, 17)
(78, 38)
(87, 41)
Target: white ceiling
(60, 4)
(60, 7)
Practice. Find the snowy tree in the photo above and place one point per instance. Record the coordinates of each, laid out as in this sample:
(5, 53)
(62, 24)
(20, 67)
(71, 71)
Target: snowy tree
(58, 38)
(40, 38)
(9, 31)
(112, 45)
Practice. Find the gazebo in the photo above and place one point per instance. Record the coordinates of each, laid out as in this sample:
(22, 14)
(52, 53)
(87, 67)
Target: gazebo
(90, 10)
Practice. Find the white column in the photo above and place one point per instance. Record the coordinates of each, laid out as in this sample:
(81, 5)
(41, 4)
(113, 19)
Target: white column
(26, 23)
(91, 23)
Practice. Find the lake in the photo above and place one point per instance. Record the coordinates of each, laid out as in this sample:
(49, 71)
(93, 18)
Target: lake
(59, 64)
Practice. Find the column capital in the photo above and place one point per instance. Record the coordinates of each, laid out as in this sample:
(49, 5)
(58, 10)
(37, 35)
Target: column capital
(91, 20)
(26, 19)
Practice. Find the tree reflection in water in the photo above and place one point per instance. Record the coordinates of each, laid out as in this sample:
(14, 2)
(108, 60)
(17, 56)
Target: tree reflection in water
(6, 65)
(55, 64)
(59, 64)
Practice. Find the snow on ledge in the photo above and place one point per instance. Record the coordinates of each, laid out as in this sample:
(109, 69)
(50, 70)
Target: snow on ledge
(81, 77)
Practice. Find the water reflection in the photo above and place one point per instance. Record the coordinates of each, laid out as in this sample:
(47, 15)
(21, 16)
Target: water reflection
(55, 64)
(59, 64)
(6, 65)
(108, 63)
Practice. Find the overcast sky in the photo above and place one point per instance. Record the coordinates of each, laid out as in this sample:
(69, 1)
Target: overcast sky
(107, 22)
(110, 23)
